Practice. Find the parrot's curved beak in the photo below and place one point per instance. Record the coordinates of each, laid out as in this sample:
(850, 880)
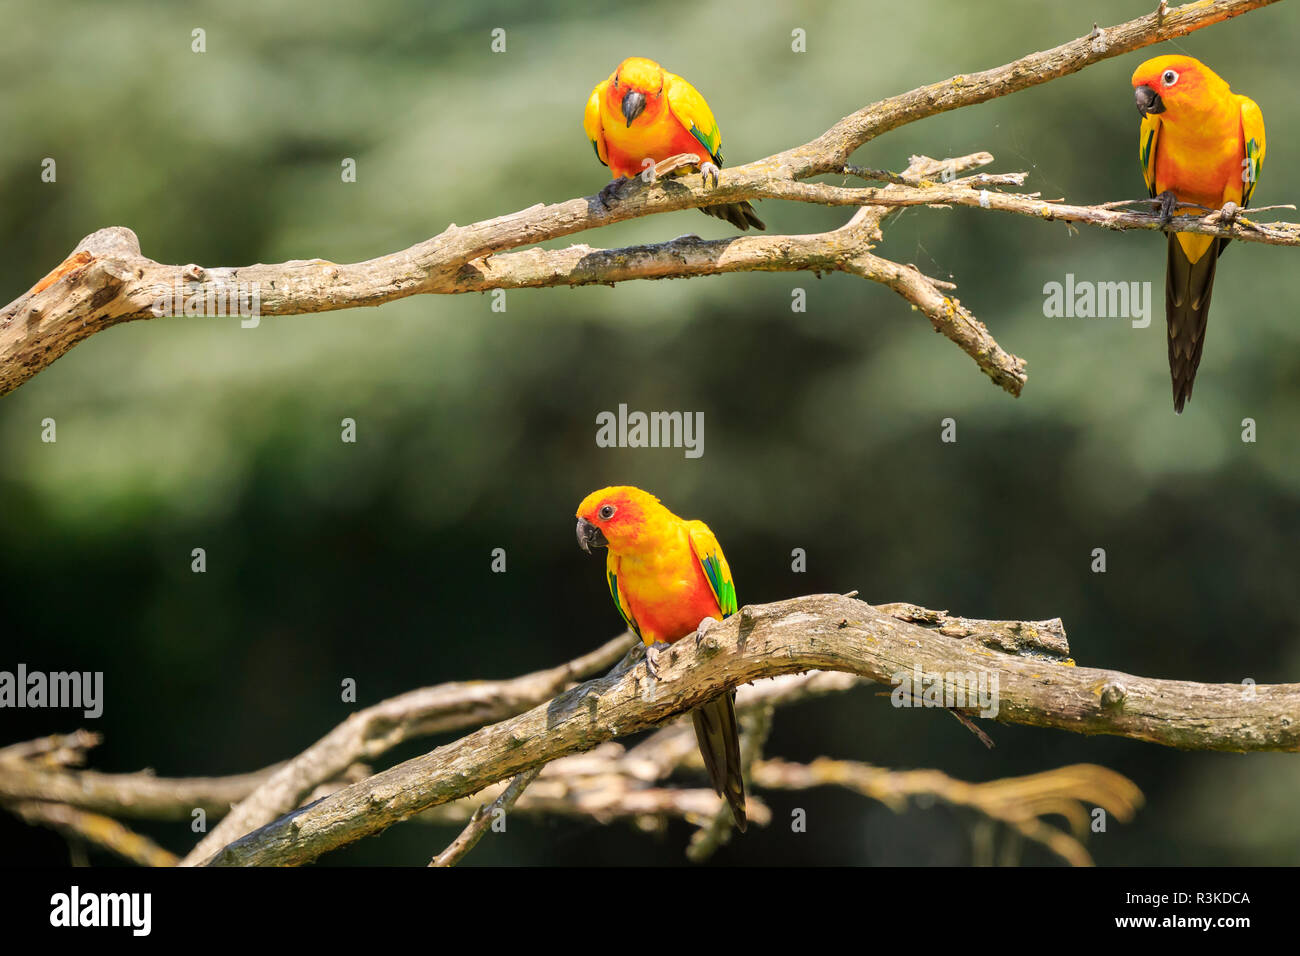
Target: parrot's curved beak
(633, 104)
(589, 536)
(1148, 100)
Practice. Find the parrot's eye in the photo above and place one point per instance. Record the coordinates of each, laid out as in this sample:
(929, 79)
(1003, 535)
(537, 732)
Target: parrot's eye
(606, 512)
(1170, 78)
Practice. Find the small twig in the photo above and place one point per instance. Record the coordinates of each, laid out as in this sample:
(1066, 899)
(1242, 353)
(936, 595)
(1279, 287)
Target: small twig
(970, 725)
(1285, 205)
(100, 830)
(876, 175)
(483, 818)
(56, 750)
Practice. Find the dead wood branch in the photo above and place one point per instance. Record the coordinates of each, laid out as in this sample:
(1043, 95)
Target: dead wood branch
(820, 632)
(106, 280)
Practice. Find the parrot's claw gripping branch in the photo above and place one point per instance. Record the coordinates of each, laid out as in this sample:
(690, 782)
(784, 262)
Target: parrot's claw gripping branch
(705, 625)
(1165, 205)
(612, 192)
(107, 280)
(652, 654)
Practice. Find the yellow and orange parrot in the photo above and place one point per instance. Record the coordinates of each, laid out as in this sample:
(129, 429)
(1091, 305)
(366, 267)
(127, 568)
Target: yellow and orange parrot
(668, 575)
(644, 112)
(1200, 143)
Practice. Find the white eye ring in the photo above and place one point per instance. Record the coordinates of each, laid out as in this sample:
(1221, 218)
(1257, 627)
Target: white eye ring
(607, 512)
(1170, 77)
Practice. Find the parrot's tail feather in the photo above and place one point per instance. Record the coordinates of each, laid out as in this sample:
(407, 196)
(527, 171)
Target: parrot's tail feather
(1188, 286)
(719, 738)
(739, 214)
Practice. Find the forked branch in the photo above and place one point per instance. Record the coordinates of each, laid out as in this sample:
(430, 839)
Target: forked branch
(107, 279)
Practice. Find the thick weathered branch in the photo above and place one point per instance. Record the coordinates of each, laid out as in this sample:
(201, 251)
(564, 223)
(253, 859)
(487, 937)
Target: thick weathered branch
(607, 783)
(826, 632)
(370, 732)
(107, 280)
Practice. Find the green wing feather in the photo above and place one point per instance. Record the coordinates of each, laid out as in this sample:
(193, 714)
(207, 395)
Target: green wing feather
(693, 113)
(1252, 130)
(591, 124)
(1147, 150)
(716, 570)
(616, 593)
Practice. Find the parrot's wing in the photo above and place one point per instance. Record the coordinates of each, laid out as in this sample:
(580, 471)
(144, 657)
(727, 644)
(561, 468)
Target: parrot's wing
(591, 122)
(690, 109)
(1147, 150)
(1252, 133)
(715, 566)
(620, 601)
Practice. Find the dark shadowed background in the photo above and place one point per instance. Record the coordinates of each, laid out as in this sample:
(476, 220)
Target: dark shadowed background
(476, 429)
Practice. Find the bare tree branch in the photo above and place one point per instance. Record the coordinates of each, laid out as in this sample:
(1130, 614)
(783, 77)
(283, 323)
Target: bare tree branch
(56, 750)
(140, 795)
(101, 830)
(478, 824)
(107, 280)
(610, 783)
(373, 731)
(1018, 802)
(823, 632)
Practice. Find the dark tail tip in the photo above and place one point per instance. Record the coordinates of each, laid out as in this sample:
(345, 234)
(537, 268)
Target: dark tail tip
(739, 214)
(1183, 378)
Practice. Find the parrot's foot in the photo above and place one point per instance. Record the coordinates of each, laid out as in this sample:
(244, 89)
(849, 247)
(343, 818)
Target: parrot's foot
(703, 628)
(652, 653)
(707, 169)
(613, 191)
(1165, 204)
(1229, 213)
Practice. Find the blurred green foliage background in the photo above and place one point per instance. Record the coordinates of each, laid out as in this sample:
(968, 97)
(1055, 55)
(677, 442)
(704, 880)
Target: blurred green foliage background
(476, 429)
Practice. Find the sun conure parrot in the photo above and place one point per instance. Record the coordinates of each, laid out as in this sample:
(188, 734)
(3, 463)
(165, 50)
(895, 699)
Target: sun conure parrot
(644, 112)
(1200, 143)
(667, 576)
